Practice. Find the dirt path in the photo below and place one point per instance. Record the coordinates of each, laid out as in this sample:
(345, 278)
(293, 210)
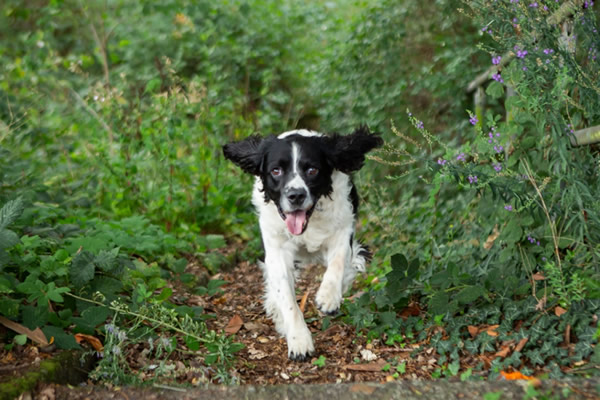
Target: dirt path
(338, 356)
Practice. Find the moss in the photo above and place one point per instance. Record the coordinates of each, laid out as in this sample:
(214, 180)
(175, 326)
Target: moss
(64, 368)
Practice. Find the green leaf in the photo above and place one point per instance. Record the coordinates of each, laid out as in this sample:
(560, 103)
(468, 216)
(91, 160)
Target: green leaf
(82, 268)
(470, 294)
(163, 295)
(495, 90)
(53, 293)
(91, 318)
(107, 260)
(320, 362)
(61, 338)
(8, 239)
(453, 368)
(9, 307)
(512, 232)
(152, 85)
(466, 375)
(10, 212)
(439, 303)
(20, 339)
(192, 343)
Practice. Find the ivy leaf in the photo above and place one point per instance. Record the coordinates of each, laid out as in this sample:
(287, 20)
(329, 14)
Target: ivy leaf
(82, 268)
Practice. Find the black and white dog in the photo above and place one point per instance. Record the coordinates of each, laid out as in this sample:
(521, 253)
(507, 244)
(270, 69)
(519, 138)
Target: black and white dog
(302, 176)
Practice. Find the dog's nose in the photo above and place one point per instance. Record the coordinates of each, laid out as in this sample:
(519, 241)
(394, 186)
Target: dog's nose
(296, 196)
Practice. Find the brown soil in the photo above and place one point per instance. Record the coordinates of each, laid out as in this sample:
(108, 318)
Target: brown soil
(264, 359)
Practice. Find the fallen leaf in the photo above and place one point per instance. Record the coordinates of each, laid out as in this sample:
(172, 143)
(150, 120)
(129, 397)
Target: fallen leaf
(473, 330)
(521, 344)
(368, 355)
(234, 325)
(362, 388)
(303, 302)
(413, 310)
(254, 326)
(538, 276)
(503, 352)
(370, 367)
(492, 238)
(558, 311)
(491, 330)
(512, 376)
(256, 354)
(94, 341)
(35, 335)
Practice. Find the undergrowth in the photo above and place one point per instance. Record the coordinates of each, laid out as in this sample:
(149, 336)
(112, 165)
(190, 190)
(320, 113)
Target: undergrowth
(499, 237)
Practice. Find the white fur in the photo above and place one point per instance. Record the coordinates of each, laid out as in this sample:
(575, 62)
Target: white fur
(326, 239)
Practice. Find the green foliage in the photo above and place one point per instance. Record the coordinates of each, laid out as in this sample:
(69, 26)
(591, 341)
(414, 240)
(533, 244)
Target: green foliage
(502, 227)
(112, 118)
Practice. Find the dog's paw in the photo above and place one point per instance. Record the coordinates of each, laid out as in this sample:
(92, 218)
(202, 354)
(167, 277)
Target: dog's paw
(300, 345)
(329, 298)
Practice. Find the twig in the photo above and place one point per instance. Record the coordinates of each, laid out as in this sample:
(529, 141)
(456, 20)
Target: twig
(552, 223)
(93, 113)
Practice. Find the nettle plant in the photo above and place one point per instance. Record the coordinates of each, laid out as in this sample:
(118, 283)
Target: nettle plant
(509, 229)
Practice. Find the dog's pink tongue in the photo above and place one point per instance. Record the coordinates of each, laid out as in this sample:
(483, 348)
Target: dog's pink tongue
(295, 222)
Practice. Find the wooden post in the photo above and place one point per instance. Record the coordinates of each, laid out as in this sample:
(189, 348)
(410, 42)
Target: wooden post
(479, 103)
(586, 136)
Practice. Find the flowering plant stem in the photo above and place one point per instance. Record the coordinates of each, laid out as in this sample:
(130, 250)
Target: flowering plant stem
(144, 317)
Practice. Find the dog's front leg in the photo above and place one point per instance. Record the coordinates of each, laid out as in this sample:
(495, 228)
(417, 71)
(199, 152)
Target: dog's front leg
(280, 303)
(329, 295)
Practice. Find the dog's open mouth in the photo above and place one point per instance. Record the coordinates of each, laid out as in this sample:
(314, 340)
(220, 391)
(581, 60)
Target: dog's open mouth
(296, 221)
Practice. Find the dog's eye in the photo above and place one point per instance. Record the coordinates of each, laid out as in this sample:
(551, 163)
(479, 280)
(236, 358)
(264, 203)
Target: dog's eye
(312, 171)
(276, 172)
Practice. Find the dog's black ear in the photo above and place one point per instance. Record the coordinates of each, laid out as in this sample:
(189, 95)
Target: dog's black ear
(348, 152)
(246, 153)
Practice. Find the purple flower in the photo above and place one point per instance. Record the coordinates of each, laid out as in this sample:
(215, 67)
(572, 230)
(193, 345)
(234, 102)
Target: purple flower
(419, 124)
(498, 148)
(472, 179)
(441, 161)
(497, 77)
(521, 53)
(497, 167)
(508, 207)
(460, 157)
(534, 4)
(548, 51)
(473, 120)
(496, 60)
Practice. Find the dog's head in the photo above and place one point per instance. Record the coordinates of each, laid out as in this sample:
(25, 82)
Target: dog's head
(296, 167)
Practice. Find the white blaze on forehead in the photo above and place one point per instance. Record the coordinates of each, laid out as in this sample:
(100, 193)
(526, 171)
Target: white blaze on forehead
(296, 182)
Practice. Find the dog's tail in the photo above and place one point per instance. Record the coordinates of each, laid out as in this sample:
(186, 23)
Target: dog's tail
(361, 257)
